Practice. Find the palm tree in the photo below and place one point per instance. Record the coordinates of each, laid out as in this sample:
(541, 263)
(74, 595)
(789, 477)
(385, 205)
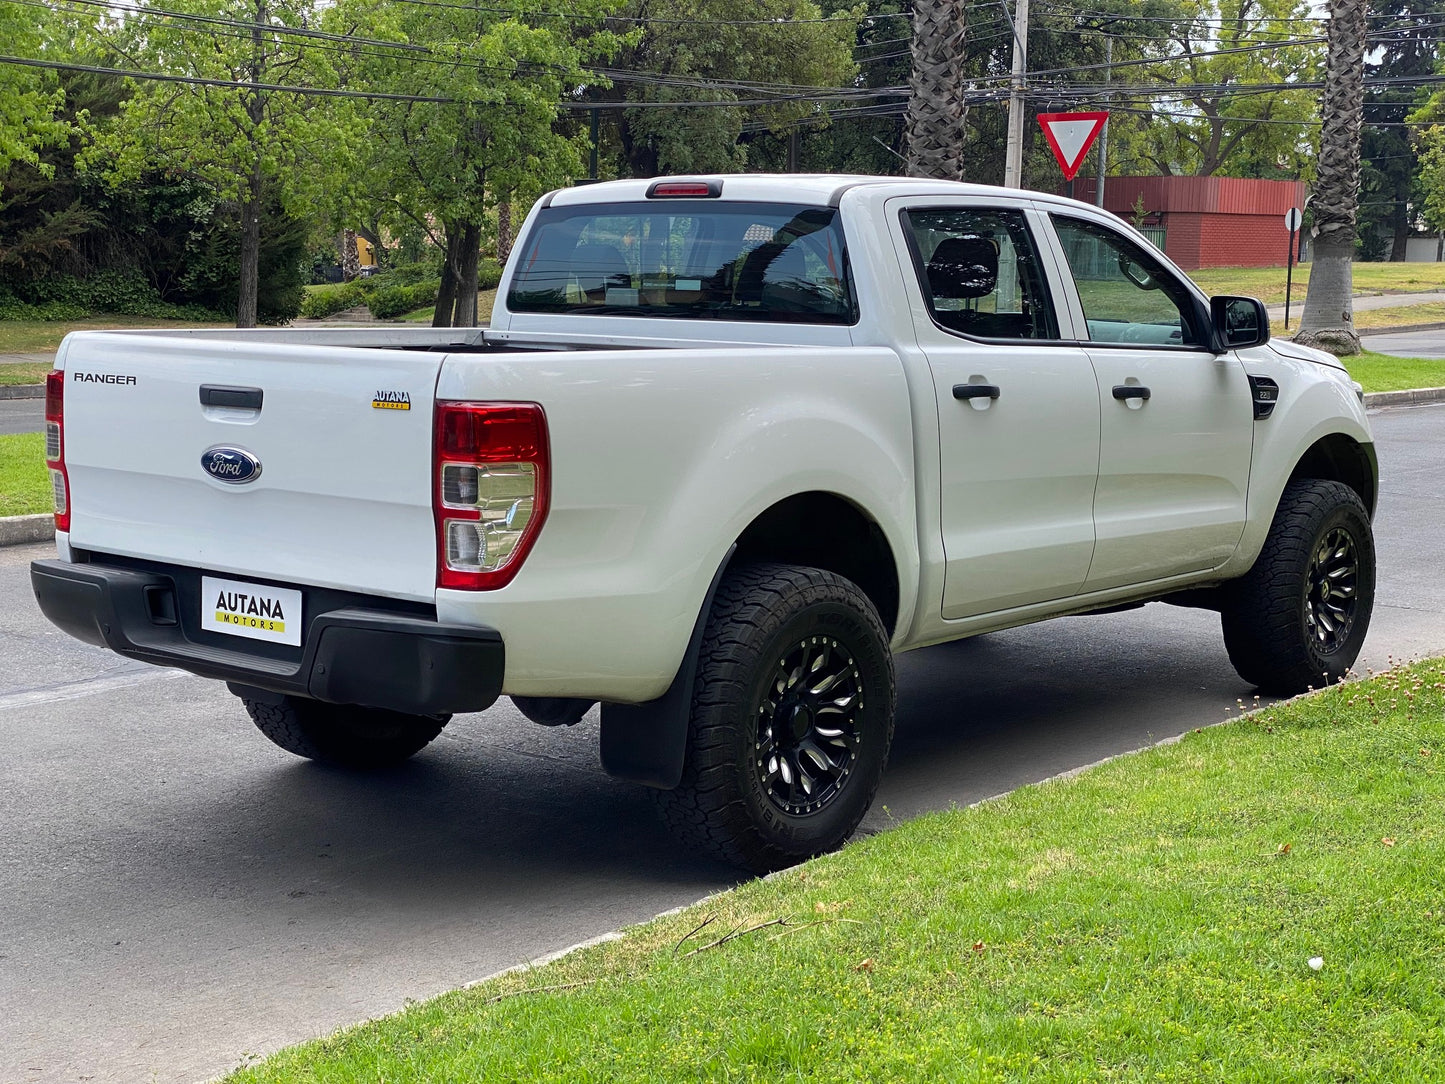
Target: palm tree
(936, 104)
(1328, 320)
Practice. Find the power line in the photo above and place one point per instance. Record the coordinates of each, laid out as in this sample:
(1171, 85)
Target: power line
(640, 19)
(329, 92)
(161, 77)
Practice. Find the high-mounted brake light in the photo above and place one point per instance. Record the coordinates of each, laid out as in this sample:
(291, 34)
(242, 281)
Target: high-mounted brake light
(55, 446)
(684, 190)
(492, 485)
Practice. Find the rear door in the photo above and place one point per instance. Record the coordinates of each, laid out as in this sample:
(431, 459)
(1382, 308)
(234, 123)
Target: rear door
(1177, 419)
(300, 464)
(1018, 408)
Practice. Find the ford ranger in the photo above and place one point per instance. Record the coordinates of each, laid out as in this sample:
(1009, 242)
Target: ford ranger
(728, 445)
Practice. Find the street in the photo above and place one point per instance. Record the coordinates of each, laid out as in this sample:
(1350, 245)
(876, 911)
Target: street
(1408, 344)
(180, 894)
(22, 416)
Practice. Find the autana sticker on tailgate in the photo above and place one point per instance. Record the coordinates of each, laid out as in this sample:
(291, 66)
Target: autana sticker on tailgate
(237, 608)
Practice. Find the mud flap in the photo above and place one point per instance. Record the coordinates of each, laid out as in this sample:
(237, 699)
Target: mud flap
(647, 743)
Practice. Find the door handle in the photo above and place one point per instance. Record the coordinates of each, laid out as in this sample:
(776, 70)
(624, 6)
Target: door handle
(222, 395)
(1131, 391)
(975, 391)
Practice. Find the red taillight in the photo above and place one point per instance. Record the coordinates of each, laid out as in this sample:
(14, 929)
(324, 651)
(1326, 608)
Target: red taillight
(491, 490)
(55, 446)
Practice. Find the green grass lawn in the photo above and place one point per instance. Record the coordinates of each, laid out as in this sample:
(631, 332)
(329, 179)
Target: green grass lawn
(1151, 919)
(24, 481)
(24, 372)
(1382, 372)
(1432, 312)
(39, 336)
(1267, 283)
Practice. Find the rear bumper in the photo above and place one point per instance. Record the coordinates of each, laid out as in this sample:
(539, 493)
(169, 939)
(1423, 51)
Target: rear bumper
(350, 655)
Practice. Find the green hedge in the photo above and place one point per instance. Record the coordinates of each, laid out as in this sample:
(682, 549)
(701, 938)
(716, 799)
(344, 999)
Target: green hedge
(489, 275)
(323, 301)
(67, 297)
(389, 293)
(390, 301)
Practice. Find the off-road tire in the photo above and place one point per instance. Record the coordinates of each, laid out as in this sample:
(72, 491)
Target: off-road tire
(742, 797)
(344, 735)
(1318, 563)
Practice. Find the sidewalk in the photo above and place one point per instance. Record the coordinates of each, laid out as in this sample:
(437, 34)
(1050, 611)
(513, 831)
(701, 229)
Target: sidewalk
(1364, 303)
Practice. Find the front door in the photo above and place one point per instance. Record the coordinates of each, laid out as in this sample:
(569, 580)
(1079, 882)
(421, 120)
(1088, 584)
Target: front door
(1177, 420)
(1018, 410)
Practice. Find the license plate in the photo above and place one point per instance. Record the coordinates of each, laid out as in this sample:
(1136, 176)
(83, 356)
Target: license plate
(254, 610)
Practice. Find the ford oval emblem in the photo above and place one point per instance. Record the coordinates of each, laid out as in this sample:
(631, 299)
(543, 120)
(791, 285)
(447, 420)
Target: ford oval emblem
(235, 466)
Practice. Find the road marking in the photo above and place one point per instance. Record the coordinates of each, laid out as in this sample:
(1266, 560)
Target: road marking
(75, 690)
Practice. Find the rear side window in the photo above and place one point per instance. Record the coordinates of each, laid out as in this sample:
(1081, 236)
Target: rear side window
(980, 273)
(690, 258)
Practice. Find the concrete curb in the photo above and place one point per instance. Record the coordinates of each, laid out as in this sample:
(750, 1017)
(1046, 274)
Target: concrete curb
(1404, 398)
(19, 530)
(22, 391)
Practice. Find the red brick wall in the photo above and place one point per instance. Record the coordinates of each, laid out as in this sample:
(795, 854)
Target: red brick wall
(1209, 221)
(1243, 241)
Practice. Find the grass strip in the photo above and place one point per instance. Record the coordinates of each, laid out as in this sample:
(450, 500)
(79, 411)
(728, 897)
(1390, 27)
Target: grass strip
(1260, 901)
(43, 336)
(24, 481)
(1268, 283)
(1401, 316)
(1385, 372)
(24, 372)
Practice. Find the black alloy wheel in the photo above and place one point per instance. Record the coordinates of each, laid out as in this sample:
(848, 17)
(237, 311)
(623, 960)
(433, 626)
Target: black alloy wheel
(808, 732)
(1333, 597)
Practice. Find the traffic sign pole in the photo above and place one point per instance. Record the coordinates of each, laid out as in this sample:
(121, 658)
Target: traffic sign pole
(1292, 219)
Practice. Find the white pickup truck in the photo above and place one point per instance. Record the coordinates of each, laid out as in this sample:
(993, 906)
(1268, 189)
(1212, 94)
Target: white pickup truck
(728, 445)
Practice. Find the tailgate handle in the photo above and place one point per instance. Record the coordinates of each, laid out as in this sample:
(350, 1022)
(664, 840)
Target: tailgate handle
(222, 395)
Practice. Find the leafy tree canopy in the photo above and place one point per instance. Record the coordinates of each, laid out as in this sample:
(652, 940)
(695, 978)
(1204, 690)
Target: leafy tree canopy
(694, 50)
(1229, 117)
(30, 98)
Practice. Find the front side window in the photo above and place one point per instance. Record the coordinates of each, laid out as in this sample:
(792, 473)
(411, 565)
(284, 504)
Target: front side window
(1127, 296)
(980, 273)
(691, 258)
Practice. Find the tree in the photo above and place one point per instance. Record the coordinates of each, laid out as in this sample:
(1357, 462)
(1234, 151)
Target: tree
(255, 147)
(1228, 57)
(1432, 161)
(503, 73)
(1406, 45)
(1328, 314)
(699, 50)
(1432, 169)
(30, 98)
(937, 106)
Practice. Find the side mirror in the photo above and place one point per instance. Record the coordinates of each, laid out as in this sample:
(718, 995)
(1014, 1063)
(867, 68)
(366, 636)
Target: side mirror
(1238, 322)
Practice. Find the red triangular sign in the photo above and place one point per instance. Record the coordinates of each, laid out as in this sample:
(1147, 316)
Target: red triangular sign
(1071, 135)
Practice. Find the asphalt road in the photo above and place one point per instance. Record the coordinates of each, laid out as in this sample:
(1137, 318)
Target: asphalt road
(22, 416)
(1408, 344)
(178, 894)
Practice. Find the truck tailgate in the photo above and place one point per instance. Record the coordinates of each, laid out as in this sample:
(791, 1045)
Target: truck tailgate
(342, 439)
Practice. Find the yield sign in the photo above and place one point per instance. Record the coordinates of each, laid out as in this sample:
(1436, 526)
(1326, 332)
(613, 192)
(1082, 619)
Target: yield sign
(1071, 135)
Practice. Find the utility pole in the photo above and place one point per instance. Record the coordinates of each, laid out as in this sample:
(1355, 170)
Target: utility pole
(1104, 132)
(1013, 171)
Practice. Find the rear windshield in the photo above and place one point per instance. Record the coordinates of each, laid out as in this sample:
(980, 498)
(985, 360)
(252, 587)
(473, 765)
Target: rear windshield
(693, 258)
